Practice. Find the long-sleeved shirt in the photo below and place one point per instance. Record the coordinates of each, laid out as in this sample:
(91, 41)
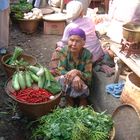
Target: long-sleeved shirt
(84, 64)
(92, 42)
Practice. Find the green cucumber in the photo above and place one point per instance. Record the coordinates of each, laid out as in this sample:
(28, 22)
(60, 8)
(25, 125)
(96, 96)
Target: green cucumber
(21, 80)
(28, 79)
(41, 81)
(15, 83)
(40, 72)
(34, 76)
(34, 69)
(48, 75)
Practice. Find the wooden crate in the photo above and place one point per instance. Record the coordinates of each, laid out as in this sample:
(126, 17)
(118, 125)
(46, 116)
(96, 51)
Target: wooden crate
(54, 27)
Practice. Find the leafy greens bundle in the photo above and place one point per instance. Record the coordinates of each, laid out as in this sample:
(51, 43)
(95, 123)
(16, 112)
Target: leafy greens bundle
(74, 124)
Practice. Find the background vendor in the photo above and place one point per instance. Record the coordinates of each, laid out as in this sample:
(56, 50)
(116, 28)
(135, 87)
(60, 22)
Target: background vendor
(4, 23)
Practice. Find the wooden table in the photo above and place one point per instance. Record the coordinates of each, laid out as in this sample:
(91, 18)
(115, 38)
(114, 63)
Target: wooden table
(132, 62)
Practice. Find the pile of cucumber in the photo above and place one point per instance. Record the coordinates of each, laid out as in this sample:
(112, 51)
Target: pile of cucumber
(32, 74)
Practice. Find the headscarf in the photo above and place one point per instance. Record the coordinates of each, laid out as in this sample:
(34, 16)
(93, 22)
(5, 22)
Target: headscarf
(79, 32)
(73, 9)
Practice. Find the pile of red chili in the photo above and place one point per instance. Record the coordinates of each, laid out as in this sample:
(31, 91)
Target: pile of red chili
(30, 95)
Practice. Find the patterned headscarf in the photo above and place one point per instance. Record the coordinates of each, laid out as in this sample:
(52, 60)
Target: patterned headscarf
(79, 32)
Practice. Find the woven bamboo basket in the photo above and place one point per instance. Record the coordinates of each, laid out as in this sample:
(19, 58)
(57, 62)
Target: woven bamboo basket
(131, 90)
(127, 122)
(33, 110)
(11, 69)
(28, 26)
(112, 134)
(132, 83)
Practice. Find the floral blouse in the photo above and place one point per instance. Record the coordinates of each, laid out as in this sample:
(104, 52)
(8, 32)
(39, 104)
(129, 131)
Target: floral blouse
(84, 64)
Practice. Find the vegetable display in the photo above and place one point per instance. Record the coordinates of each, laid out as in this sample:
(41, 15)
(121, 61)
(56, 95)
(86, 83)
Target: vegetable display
(33, 74)
(20, 8)
(41, 91)
(29, 74)
(45, 79)
(74, 124)
(25, 10)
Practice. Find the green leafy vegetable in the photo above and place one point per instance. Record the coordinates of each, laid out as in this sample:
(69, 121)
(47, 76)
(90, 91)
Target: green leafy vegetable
(17, 52)
(74, 124)
(51, 84)
(20, 8)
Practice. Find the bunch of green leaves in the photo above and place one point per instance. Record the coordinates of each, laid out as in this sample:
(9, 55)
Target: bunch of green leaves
(17, 52)
(52, 84)
(20, 8)
(74, 124)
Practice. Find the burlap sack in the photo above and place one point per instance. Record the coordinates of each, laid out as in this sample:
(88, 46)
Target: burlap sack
(131, 91)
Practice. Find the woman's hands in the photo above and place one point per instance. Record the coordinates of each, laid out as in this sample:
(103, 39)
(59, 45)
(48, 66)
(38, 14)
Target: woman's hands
(73, 77)
(58, 49)
(77, 83)
(59, 46)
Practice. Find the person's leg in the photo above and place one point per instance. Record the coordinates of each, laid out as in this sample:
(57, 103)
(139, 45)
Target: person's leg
(4, 28)
(106, 4)
(72, 95)
(69, 101)
(80, 97)
(83, 101)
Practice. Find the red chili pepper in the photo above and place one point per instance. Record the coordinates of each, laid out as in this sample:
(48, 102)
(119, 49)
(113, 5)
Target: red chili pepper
(31, 95)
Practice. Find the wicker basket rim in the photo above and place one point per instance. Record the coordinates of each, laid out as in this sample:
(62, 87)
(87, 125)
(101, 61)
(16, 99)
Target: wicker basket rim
(29, 19)
(126, 104)
(112, 135)
(128, 79)
(128, 27)
(9, 54)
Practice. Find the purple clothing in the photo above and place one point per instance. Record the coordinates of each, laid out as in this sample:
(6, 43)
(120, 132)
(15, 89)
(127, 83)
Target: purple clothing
(92, 42)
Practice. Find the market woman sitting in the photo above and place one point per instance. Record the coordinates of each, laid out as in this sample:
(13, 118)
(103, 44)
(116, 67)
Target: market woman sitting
(75, 69)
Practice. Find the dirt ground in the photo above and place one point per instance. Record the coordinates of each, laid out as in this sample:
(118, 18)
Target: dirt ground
(13, 125)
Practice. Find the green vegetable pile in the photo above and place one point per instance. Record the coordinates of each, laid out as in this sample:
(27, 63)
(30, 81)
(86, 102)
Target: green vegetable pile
(14, 59)
(18, 10)
(74, 124)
